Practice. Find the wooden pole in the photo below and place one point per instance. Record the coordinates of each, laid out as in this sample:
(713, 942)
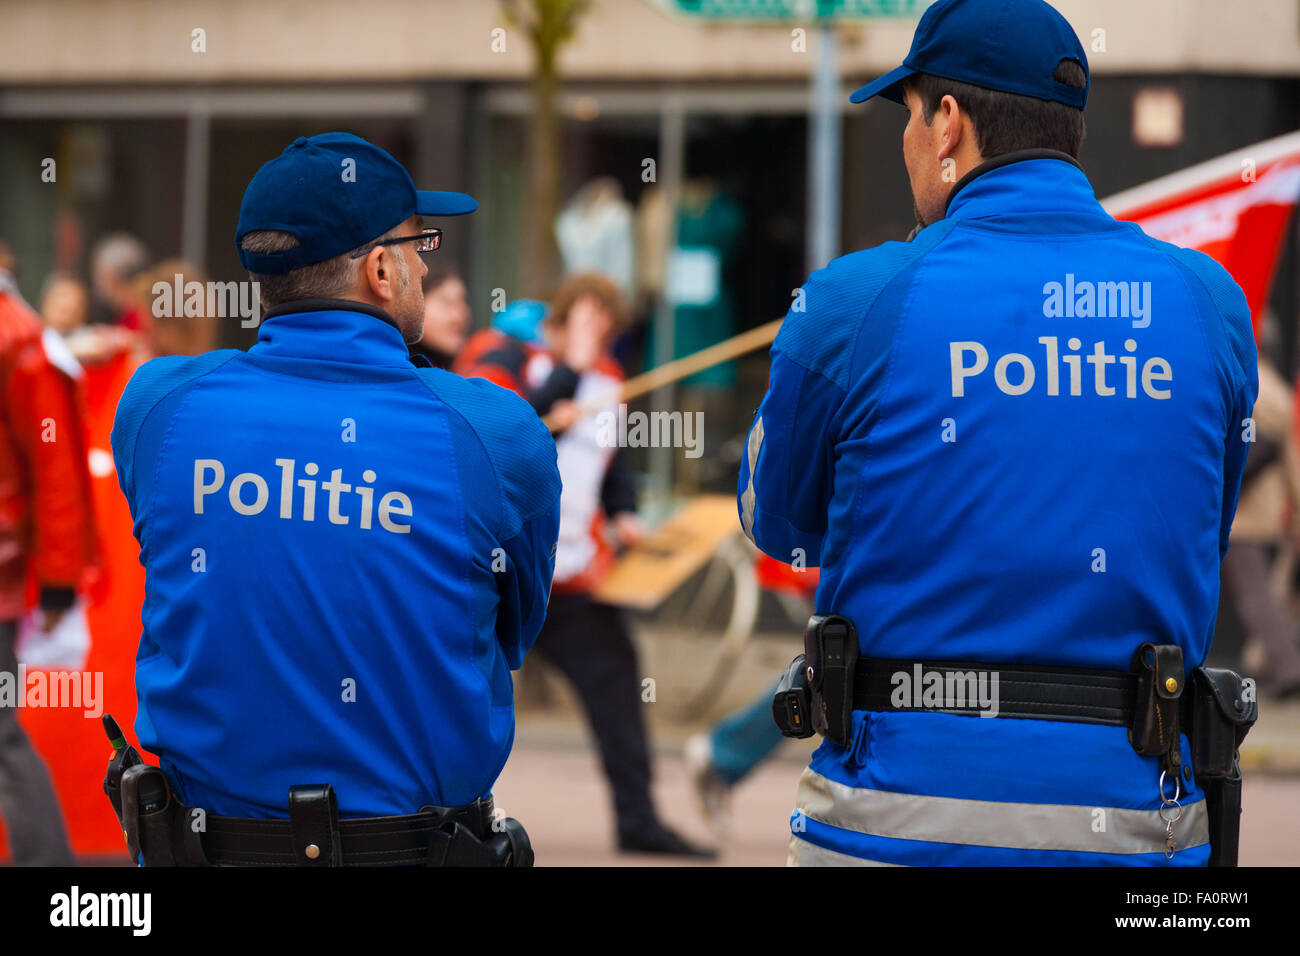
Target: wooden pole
(679, 369)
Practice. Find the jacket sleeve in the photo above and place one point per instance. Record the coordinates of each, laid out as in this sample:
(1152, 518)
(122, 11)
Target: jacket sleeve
(786, 470)
(1243, 376)
(49, 427)
(530, 485)
(561, 384)
(1228, 326)
(522, 458)
(525, 588)
(618, 490)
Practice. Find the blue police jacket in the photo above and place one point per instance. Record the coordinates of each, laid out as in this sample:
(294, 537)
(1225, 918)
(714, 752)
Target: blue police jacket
(345, 556)
(1018, 438)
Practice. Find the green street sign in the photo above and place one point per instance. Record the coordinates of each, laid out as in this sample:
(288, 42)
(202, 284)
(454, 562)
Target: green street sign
(795, 9)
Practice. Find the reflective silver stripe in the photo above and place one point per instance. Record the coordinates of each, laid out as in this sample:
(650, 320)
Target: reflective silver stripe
(747, 497)
(803, 853)
(1020, 826)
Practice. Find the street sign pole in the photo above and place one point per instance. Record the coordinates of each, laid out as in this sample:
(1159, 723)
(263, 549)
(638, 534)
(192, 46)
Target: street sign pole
(824, 152)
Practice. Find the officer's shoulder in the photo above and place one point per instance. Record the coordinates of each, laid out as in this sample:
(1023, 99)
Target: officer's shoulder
(159, 377)
(485, 406)
(514, 439)
(829, 311)
(867, 271)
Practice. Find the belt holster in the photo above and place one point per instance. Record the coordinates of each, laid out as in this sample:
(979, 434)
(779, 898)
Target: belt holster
(1220, 713)
(1221, 710)
(505, 844)
(155, 823)
(830, 647)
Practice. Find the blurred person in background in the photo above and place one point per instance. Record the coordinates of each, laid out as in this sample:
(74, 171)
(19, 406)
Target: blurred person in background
(1270, 486)
(115, 260)
(722, 756)
(45, 538)
(586, 640)
(505, 348)
(446, 316)
(65, 303)
(170, 331)
(109, 355)
(66, 309)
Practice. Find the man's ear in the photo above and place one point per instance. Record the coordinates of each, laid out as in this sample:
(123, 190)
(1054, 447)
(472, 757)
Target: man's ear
(952, 119)
(377, 274)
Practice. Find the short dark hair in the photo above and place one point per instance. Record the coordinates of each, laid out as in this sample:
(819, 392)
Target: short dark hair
(327, 279)
(1006, 122)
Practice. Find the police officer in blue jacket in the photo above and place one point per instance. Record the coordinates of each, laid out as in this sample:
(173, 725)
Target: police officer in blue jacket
(345, 555)
(1014, 446)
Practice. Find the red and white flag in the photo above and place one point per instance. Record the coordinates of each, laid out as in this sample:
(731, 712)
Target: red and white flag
(1235, 208)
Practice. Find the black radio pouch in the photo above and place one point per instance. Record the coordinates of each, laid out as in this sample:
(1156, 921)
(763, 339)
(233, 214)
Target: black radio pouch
(1221, 714)
(159, 829)
(148, 815)
(792, 702)
(830, 646)
(1154, 733)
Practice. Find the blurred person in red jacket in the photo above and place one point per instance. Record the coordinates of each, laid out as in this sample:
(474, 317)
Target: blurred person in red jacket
(46, 543)
(109, 355)
(586, 640)
(65, 303)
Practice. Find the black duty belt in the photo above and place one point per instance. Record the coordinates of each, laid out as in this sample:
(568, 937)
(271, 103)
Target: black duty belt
(161, 831)
(1156, 700)
(417, 839)
(1023, 691)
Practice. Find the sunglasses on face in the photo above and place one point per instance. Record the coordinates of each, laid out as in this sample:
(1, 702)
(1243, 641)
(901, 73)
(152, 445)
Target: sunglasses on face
(427, 241)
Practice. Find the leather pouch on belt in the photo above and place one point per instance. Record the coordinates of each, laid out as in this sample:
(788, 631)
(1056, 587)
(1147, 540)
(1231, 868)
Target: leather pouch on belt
(1159, 669)
(831, 654)
(150, 812)
(314, 824)
(1222, 713)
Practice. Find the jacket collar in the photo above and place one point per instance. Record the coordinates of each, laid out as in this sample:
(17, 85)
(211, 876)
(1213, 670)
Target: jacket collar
(1024, 181)
(333, 330)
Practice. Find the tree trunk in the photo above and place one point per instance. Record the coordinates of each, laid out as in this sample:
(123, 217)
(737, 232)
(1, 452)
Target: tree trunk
(540, 265)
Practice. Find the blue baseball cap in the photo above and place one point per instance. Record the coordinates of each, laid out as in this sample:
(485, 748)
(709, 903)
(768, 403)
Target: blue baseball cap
(334, 192)
(522, 319)
(1013, 46)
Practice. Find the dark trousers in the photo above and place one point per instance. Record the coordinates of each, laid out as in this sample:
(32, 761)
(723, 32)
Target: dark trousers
(33, 821)
(591, 646)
